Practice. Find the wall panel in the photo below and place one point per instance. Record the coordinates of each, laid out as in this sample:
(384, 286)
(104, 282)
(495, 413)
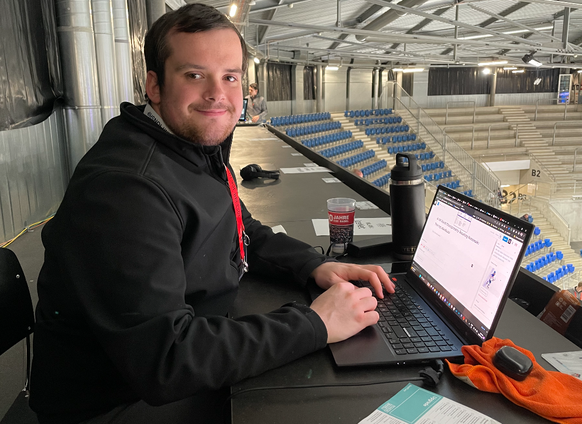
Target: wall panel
(360, 89)
(33, 174)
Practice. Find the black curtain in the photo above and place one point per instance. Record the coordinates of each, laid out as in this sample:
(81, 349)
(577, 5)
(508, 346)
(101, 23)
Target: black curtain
(451, 81)
(407, 80)
(278, 82)
(308, 83)
(508, 82)
(138, 26)
(30, 74)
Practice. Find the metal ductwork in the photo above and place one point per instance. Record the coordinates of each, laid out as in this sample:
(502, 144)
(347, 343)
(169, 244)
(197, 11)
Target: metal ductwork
(389, 17)
(124, 63)
(154, 9)
(105, 51)
(81, 88)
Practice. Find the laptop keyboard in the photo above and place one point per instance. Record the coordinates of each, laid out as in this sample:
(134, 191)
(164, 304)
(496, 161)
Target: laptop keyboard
(407, 327)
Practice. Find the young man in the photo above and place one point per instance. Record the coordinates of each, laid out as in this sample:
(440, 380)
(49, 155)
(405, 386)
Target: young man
(257, 106)
(577, 291)
(144, 256)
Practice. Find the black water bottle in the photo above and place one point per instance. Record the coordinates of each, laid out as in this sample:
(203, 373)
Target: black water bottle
(406, 205)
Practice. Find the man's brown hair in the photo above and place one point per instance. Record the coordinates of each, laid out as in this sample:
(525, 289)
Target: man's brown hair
(192, 18)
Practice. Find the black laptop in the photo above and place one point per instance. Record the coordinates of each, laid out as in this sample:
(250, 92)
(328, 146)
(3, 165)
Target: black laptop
(453, 291)
(243, 115)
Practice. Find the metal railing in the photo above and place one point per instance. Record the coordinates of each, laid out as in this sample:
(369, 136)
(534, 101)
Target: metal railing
(473, 175)
(500, 124)
(573, 123)
(557, 103)
(460, 102)
(552, 184)
(535, 194)
(575, 155)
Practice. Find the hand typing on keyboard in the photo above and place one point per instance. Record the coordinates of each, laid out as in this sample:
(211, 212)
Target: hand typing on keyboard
(330, 273)
(345, 309)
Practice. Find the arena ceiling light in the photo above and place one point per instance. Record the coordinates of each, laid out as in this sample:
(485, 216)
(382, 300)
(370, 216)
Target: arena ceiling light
(407, 70)
(233, 9)
(331, 68)
(529, 59)
(509, 68)
(493, 63)
(257, 60)
(518, 71)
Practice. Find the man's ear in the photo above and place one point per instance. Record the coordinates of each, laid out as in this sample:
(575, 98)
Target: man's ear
(152, 87)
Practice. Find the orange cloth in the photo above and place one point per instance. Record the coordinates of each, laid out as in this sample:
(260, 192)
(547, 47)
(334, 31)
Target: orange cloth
(551, 394)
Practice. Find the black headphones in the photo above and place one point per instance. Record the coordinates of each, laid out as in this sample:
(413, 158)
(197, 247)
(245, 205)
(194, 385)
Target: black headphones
(253, 170)
(431, 376)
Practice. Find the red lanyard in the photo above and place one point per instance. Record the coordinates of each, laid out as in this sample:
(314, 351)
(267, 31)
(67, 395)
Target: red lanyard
(239, 222)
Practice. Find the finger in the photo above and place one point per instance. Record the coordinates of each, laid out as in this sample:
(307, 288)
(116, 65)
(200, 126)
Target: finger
(370, 318)
(368, 303)
(380, 279)
(377, 278)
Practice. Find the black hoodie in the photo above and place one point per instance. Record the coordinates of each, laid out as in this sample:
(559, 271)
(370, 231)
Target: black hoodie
(141, 268)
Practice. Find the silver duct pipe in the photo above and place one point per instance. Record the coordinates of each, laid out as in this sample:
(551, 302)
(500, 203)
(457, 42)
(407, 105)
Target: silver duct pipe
(338, 22)
(566, 27)
(154, 9)
(123, 61)
(376, 76)
(105, 50)
(82, 103)
(319, 89)
(389, 17)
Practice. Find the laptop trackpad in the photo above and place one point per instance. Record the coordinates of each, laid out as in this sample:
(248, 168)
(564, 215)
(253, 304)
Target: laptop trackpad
(367, 347)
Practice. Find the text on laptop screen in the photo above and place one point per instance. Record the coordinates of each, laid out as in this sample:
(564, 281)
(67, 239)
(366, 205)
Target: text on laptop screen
(466, 256)
(243, 114)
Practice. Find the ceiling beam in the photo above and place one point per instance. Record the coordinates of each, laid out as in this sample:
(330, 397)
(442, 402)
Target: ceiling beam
(407, 38)
(363, 17)
(451, 21)
(262, 30)
(517, 24)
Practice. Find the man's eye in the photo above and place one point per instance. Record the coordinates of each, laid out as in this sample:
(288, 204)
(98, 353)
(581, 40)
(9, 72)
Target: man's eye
(193, 76)
(231, 78)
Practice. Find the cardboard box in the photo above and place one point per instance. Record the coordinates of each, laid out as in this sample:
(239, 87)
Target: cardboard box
(560, 310)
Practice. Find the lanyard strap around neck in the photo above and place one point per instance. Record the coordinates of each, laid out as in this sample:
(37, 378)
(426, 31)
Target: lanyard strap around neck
(239, 222)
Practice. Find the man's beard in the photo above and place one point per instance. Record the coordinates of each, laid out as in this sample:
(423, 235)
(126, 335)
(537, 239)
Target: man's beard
(209, 135)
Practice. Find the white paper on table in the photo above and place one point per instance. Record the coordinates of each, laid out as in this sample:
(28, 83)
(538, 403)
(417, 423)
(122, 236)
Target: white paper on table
(330, 180)
(305, 170)
(362, 226)
(365, 205)
(278, 229)
(566, 362)
(416, 405)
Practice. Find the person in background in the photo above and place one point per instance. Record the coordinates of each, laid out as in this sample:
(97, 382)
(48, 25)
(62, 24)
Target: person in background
(577, 291)
(144, 255)
(257, 107)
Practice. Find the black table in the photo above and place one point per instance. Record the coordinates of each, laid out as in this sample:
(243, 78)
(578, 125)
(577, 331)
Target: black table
(292, 202)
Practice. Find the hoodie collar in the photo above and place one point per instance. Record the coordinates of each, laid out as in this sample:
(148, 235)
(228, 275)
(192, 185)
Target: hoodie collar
(157, 129)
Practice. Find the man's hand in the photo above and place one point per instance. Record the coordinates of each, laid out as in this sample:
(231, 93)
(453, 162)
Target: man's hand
(345, 310)
(255, 118)
(330, 273)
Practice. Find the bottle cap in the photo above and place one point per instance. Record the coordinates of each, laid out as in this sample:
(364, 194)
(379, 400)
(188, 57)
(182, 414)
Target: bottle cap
(406, 168)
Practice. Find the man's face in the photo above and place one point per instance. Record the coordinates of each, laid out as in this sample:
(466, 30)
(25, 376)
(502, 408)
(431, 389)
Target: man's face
(252, 92)
(202, 95)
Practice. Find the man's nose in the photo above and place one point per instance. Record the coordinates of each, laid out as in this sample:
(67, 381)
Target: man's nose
(214, 89)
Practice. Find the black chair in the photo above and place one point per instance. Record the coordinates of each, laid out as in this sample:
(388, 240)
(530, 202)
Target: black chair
(16, 324)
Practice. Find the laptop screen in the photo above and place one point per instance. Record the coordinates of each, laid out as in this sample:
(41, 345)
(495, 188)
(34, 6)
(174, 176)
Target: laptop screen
(243, 115)
(468, 256)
